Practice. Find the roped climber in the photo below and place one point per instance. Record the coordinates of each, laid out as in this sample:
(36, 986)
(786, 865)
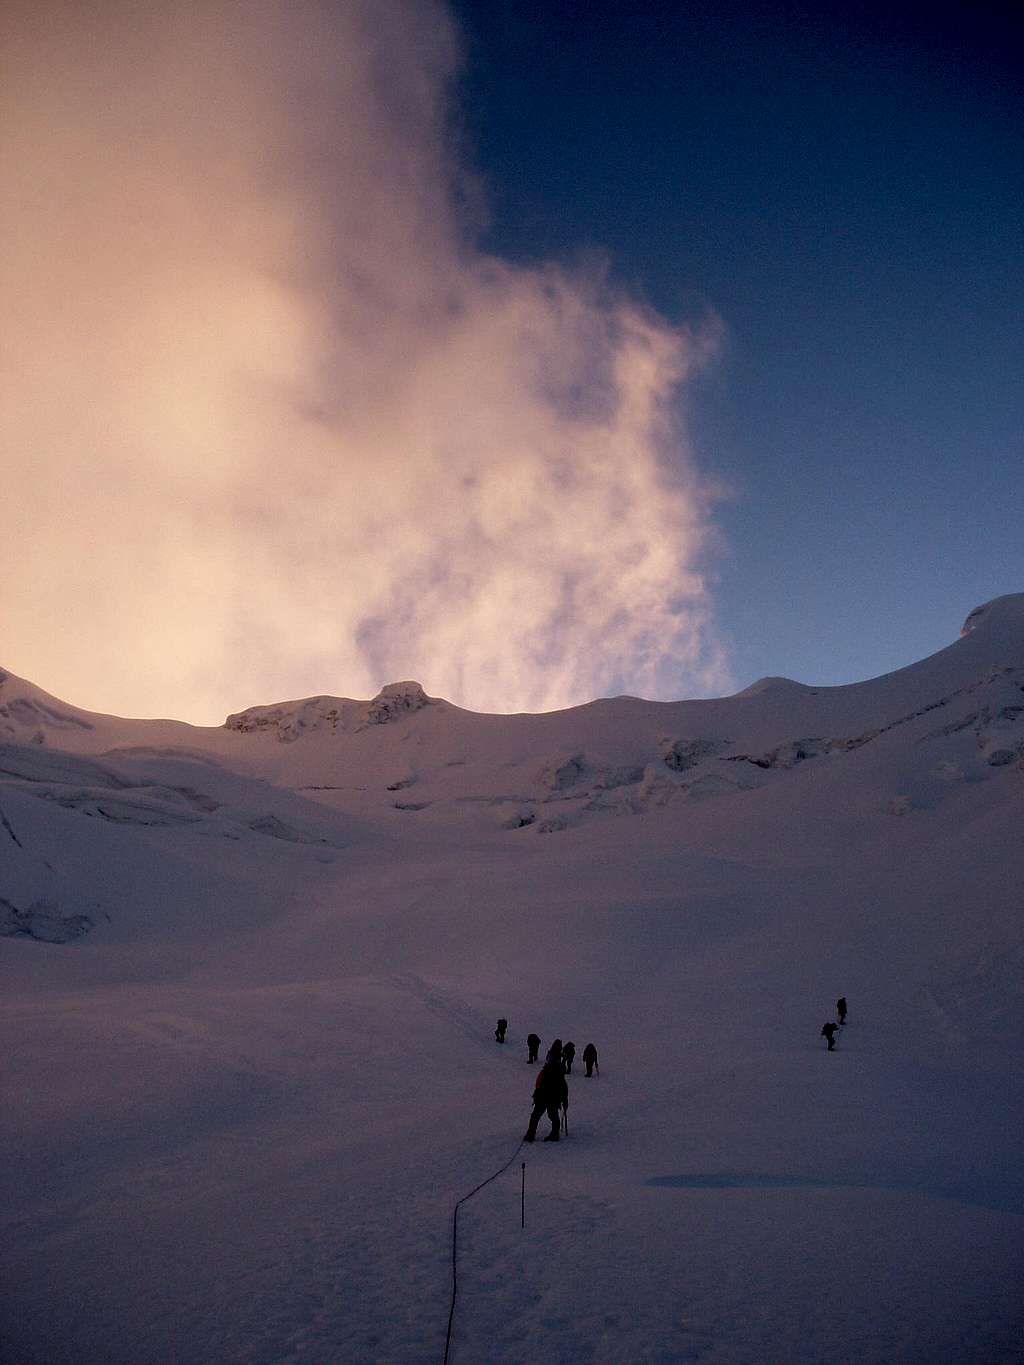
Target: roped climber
(550, 1094)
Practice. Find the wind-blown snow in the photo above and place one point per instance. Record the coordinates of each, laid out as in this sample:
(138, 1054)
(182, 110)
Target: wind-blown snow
(251, 975)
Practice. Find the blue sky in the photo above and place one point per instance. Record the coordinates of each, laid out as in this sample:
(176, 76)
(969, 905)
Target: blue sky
(843, 189)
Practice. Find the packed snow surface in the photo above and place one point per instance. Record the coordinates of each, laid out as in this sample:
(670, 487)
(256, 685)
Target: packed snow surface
(251, 976)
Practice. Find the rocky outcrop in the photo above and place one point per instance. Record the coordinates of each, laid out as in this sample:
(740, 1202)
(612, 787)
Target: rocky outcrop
(1000, 734)
(683, 754)
(519, 819)
(562, 774)
(329, 716)
(986, 718)
(289, 721)
(791, 753)
(395, 701)
(42, 921)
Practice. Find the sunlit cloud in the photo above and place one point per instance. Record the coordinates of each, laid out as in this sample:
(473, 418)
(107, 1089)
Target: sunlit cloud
(274, 426)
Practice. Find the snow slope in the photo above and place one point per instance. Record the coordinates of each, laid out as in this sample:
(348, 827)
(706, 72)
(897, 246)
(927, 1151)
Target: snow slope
(251, 973)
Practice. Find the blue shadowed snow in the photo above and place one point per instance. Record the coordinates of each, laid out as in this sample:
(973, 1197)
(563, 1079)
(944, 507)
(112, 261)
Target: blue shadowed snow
(1005, 1200)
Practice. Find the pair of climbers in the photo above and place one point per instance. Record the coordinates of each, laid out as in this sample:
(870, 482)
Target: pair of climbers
(829, 1030)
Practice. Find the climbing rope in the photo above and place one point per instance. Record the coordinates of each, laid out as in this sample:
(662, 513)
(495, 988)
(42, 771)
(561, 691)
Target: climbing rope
(455, 1242)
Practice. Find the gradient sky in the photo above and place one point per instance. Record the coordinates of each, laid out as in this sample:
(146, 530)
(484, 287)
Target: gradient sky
(844, 186)
(538, 352)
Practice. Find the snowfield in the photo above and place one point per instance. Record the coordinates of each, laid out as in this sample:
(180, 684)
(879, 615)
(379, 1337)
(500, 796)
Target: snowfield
(251, 976)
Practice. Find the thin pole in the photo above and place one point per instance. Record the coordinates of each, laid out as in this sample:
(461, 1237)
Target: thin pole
(524, 1196)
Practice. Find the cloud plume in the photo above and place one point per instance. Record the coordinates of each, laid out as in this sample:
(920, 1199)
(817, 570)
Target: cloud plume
(273, 425)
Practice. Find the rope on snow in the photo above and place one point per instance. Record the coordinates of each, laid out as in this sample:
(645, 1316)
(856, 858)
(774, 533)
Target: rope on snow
(455, 1242)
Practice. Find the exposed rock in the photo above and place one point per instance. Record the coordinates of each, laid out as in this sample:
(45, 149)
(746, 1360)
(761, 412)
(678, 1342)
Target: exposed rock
(43, 922)
(289, 720)
(396, 700)
(519, 819)
(561, 774)
(845, 746)
(797, 751)
(953, 728)
(6, 824)
(683, 754)
(999, 755)
(1001, 735)
(790, 754)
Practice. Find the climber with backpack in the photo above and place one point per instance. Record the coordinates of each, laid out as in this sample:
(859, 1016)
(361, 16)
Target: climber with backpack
(550, 1094)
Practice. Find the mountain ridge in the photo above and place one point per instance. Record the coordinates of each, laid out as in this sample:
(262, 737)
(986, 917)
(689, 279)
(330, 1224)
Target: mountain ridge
(1002, 616)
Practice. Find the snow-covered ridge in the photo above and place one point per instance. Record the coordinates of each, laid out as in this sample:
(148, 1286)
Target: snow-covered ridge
(27, 712)
(1004, 710)
(30, 715)
(1008, 607)
(404, 751)
(1002, 617)
(772, 684)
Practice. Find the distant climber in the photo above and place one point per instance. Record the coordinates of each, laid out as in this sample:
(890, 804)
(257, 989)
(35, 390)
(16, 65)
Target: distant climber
(499, 1032)
(555, 1051)
(590, 1059)
(829, 1032)
(568, 1053)
(533, 1043)
(841, 1009)
(549, 1095)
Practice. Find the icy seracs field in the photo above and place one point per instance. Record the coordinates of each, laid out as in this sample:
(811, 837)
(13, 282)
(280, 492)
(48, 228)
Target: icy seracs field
(251, 974)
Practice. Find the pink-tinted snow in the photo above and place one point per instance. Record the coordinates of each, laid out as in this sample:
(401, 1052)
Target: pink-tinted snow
(244, 1094)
